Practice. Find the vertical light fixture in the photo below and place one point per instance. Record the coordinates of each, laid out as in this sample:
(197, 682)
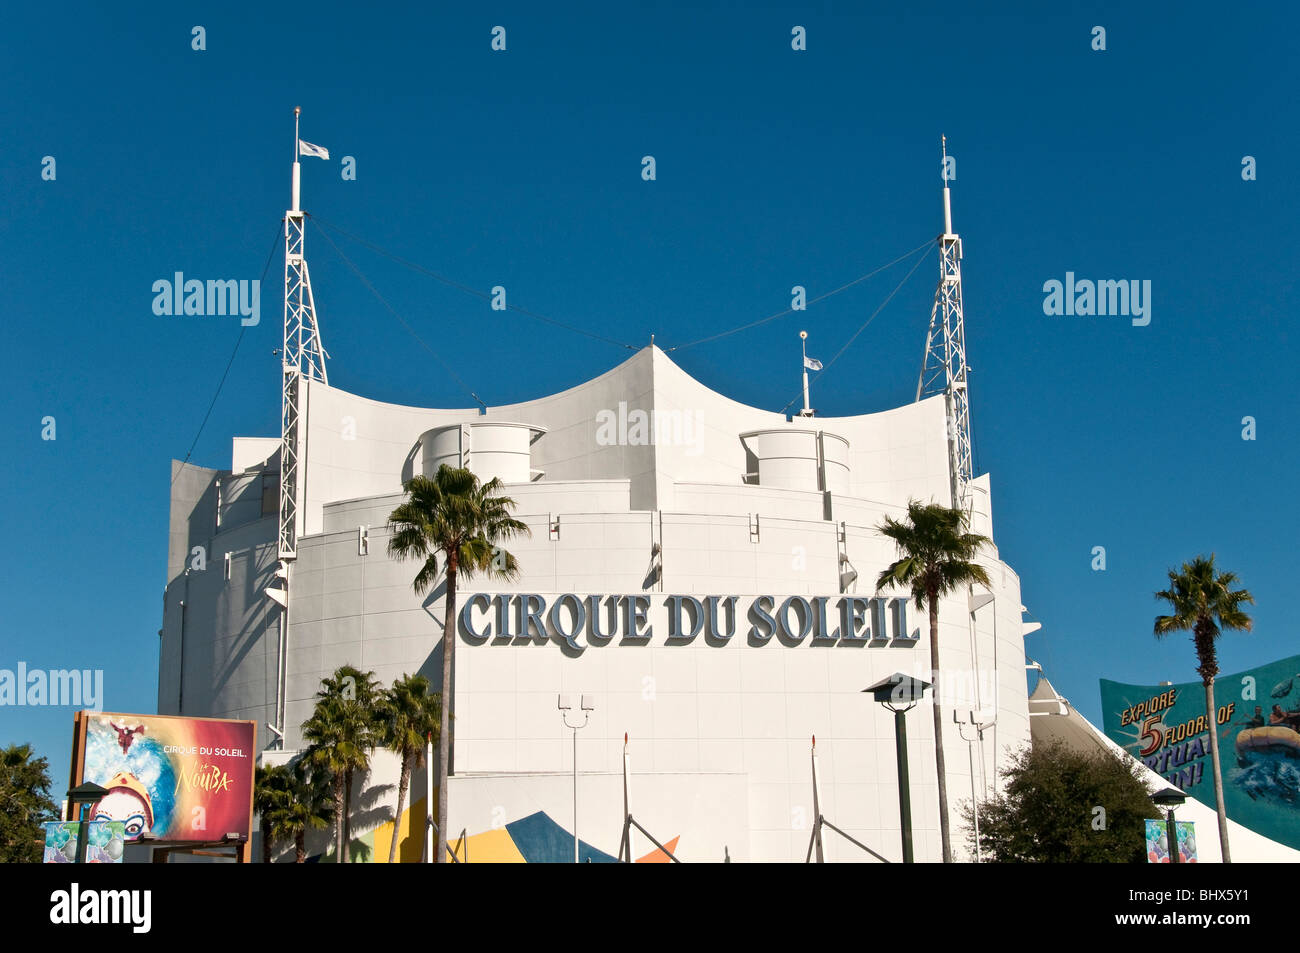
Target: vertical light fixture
(565, 704)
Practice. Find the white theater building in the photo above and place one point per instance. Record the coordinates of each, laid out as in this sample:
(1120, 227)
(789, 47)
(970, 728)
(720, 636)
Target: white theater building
(701, 569)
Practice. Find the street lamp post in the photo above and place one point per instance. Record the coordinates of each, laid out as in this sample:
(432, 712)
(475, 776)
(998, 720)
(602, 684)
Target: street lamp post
(899, 689)
(565, 704)
(1170, 798)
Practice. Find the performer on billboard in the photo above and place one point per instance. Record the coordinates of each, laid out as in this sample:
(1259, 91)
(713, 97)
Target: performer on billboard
(128, 801)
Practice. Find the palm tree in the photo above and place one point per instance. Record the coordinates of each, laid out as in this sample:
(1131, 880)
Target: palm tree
(936, 558)
(342, 732)
(271, 790)
(310, 807)
(409, 716)
(1199, 595)
(466, 522)
(291, 799)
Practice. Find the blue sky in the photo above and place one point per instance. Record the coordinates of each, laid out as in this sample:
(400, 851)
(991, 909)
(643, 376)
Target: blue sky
(774, 168)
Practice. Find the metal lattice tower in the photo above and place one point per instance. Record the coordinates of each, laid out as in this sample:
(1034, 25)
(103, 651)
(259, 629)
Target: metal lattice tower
(943, 367)
(303, 356)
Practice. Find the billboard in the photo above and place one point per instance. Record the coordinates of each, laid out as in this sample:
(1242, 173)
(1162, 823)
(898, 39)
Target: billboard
(179, 780)
(1258, 725)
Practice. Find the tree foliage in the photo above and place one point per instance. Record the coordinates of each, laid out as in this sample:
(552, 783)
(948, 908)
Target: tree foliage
(453, 515)
(937, 554)
(271, 787)
(1048, 811)
(341, 732)
(292, 799)
(25, 804)
(1204, 603)
(410, 716)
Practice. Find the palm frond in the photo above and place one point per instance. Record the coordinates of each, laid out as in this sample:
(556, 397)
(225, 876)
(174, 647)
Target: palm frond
(936, 554)
(463, 520)
(1202, 600)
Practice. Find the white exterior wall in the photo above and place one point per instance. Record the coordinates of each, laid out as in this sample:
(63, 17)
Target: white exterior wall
(736, 717)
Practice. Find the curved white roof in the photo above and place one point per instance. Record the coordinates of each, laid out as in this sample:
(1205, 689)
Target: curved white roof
(646, 421)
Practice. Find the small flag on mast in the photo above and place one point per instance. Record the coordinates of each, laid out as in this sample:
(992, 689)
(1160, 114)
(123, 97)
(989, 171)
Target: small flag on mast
(307, 149)
(811, 363)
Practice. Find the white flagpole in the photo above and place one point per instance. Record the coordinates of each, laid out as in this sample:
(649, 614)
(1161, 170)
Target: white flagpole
(817, 804)
(803, 344)
(947, 198)
(627, 797)
(297, 169)
(428, 800)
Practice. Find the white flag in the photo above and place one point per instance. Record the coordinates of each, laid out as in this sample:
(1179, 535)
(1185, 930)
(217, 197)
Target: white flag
(307, 149)
(812, 364)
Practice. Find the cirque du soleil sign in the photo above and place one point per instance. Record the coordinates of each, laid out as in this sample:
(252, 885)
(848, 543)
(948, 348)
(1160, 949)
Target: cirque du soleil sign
(594, 620)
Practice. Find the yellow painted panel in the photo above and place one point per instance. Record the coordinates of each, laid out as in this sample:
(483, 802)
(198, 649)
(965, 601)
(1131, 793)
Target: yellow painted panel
(490, 847)
(410, 846)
